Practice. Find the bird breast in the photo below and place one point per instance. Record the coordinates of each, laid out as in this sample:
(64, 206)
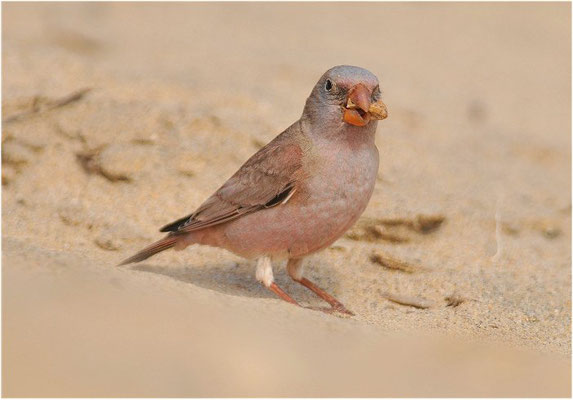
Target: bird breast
(337, 188)
(338, 192)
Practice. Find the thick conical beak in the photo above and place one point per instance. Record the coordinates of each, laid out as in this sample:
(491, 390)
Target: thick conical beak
(359, 97)
(359, 108)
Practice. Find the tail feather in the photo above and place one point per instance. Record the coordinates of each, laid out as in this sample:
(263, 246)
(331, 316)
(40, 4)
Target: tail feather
(157, 247)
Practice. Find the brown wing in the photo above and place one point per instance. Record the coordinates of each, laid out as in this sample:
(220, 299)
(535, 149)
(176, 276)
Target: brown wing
(264, 181)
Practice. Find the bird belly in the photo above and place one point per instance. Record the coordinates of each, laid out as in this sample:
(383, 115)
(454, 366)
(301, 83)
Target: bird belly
(325, 207)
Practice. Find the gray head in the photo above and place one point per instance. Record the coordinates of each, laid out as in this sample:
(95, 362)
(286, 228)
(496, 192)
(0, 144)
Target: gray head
(345, 96)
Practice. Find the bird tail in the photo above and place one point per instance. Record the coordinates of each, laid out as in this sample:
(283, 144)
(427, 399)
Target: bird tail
(154, 248)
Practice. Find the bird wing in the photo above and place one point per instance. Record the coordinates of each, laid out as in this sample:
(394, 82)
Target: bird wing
(266, 180)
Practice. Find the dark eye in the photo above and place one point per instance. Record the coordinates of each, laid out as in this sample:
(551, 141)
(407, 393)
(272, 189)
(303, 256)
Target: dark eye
(328, 85)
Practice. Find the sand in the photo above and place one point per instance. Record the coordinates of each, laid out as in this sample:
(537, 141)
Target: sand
(475, 303)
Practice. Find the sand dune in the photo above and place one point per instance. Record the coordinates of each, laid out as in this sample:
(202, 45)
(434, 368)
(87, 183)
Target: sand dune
(478, 141)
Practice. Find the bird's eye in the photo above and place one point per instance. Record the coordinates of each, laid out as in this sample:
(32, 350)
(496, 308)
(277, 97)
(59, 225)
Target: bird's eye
(328, 85)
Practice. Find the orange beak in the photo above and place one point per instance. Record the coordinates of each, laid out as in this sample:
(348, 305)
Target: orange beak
(359, 108)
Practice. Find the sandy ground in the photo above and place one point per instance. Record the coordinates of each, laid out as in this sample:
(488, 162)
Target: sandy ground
(181, 94)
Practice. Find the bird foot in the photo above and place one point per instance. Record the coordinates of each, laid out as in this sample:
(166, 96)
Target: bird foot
(343, 310)
(335, 305)
(332, 310)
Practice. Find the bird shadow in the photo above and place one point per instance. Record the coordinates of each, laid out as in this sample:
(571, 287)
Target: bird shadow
(236, 279)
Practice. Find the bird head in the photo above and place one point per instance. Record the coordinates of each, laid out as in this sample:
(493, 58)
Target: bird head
(348, 95)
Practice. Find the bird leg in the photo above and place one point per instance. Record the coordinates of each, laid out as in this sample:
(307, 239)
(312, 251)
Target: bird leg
(282, 294)
(265, 276)
(294, 269)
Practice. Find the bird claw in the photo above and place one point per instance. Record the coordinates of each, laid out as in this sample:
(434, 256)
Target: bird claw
(331, 310)
(343, 310)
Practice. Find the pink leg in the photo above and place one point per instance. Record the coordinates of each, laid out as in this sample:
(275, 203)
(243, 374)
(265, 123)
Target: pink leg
(281, 293)
(265, 276)
(294, 269)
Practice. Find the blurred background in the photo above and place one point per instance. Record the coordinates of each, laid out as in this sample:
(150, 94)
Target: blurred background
(120, 117)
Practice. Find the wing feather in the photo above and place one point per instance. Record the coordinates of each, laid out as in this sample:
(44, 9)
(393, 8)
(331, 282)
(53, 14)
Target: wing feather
(268, 178)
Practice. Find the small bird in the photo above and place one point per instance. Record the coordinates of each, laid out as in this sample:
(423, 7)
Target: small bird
(301, 191)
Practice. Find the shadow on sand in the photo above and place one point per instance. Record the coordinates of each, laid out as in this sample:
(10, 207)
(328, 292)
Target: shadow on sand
(237, 279)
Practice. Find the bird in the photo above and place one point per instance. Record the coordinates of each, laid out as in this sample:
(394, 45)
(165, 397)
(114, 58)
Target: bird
(300, 192)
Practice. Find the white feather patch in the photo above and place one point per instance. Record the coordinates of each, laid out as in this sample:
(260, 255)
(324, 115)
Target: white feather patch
(265, 271)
